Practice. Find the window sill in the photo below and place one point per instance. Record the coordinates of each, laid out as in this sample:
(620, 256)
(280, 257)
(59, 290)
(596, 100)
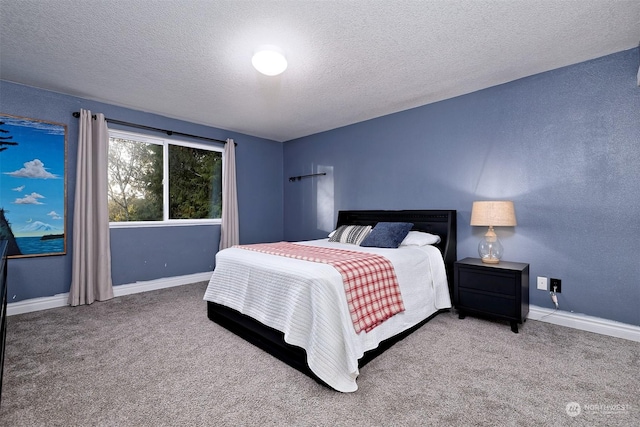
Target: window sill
(170, 223)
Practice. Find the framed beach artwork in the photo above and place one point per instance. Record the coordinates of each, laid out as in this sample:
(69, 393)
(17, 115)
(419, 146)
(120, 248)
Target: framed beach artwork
(33, 186)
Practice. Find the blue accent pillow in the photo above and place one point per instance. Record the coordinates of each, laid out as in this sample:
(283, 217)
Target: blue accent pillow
(387, 234)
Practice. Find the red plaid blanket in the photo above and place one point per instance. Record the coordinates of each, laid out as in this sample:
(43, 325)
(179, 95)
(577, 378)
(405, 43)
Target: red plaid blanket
(370, 282)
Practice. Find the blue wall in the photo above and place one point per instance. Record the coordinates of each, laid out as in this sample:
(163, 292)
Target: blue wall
(147, 253)
(564, 145)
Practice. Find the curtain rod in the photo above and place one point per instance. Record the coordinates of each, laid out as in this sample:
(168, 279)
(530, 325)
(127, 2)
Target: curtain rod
(168, 132)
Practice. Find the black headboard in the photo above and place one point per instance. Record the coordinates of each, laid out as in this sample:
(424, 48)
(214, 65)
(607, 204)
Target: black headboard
(440, 222)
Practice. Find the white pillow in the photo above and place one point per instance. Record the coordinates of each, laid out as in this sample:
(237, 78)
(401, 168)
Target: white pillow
(420, 238)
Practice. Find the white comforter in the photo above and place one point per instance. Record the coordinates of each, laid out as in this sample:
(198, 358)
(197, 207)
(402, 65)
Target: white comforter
(306, 301)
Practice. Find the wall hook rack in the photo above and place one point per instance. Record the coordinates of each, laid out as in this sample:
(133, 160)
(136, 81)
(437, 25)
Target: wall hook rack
(299, 177)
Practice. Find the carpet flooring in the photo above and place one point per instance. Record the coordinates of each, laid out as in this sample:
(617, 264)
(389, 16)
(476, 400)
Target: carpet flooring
(154, 359)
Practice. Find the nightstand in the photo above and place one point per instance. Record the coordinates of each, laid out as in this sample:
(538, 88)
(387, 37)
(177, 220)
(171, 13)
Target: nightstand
(496, 290)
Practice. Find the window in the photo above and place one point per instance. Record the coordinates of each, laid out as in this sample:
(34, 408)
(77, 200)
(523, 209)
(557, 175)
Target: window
(155, 180)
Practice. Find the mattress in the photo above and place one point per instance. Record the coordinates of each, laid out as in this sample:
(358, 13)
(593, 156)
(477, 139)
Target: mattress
(306, 302)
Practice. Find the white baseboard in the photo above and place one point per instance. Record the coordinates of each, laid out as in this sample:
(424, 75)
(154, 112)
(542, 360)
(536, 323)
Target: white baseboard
(585, 323)
(61, 300)
(562, 318)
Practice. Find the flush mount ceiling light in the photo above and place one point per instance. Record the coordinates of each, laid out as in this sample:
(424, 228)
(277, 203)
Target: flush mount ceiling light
(269, 61)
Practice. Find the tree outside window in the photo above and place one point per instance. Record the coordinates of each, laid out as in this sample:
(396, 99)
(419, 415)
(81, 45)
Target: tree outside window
(139, 166)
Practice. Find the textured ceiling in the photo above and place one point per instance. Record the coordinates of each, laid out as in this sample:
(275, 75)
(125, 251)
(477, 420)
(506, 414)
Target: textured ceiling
(349, 60)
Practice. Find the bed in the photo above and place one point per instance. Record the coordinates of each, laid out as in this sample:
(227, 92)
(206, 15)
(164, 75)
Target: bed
(292, 309)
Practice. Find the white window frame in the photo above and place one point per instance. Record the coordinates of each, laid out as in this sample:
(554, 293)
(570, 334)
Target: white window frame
(165, 142)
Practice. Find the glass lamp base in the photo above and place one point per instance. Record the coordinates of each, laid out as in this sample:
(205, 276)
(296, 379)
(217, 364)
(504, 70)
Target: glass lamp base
(490, 250)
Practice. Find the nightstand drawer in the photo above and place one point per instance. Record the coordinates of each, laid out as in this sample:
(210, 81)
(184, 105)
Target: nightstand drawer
(489, 304)
(490, 281)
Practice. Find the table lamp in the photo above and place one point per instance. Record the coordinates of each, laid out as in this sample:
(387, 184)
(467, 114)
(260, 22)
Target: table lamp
(492, 214)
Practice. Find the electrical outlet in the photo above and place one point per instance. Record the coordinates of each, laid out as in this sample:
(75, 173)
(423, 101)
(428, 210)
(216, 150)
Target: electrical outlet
(542, 283)
(556, 285)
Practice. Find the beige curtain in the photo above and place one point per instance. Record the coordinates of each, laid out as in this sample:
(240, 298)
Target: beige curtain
(230, 229)
(91, 265)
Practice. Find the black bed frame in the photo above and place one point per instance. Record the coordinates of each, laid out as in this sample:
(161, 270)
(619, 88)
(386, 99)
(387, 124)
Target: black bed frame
(440, 222)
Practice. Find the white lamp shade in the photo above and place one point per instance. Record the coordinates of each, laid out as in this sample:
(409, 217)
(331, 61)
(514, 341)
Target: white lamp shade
(269, 62)
(493, 213)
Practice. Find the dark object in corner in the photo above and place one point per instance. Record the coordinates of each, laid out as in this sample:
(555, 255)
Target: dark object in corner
(6, 235)
(3, 306)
